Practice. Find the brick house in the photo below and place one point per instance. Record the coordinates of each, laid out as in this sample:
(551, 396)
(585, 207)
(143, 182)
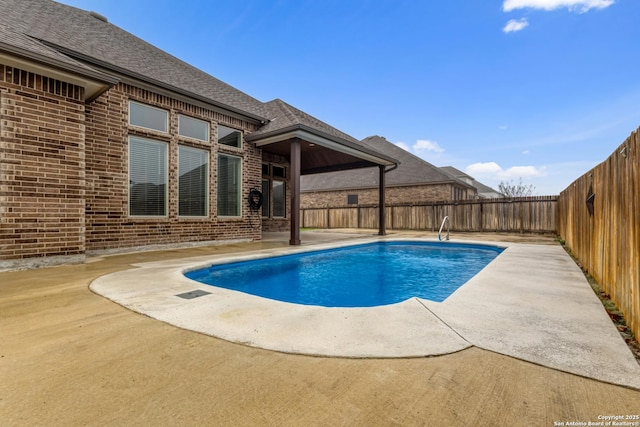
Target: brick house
(483, 191)
(412, 181)
(107, 143)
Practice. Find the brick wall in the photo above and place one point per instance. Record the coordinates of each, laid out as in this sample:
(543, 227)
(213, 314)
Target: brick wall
(393, 195)
(42, 175)
(108, 224)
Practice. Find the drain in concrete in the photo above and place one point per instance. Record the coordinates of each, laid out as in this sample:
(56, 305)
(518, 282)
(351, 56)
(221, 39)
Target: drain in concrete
(193, 294)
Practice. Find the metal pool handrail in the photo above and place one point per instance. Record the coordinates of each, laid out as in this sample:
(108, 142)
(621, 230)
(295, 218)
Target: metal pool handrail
(448, 221)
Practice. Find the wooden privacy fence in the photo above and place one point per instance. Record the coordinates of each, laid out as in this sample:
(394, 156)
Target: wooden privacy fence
(522, 215)
(600, 222)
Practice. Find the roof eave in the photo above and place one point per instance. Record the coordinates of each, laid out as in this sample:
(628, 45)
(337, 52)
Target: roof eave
(95, 82)
(322, 139)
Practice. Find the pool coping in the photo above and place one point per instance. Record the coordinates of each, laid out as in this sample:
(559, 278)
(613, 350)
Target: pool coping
(532, 302)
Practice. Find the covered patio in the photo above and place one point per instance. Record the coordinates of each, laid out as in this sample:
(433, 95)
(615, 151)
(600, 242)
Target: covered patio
(312, 146)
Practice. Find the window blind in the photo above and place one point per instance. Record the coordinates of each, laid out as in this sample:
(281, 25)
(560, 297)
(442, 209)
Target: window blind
(229, 188)
(193, 171)
(147, 177)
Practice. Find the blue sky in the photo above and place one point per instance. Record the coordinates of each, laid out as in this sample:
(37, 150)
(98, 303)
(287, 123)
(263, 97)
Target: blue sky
(541, 90)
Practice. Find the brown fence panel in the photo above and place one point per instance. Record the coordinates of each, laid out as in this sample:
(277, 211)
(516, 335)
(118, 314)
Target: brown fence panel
(343, 217)
(314, 218)
(368, 217)
(522, 215)
(607, 239)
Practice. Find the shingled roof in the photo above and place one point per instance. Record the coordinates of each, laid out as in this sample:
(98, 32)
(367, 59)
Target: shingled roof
(74, 36)
(283, 117)
(286, 122)
(411, 170)
(70, 40)
(483, 190)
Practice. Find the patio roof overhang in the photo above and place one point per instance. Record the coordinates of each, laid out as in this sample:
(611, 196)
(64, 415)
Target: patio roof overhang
(320, 152)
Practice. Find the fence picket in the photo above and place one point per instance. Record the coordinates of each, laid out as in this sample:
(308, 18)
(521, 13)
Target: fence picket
(522, 215)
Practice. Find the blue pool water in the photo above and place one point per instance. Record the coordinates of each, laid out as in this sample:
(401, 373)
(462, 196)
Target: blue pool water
(357, 276)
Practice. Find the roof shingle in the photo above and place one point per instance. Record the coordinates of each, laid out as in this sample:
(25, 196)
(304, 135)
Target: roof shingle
(77, 32)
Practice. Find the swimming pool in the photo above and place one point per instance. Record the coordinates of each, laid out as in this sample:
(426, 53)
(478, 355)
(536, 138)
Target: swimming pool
(368, 275)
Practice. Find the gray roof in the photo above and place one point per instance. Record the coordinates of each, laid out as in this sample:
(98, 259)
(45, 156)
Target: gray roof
(411, 170)
(286, 121)
(283, 117)
(71, 35)
(457, 173)
(70, 39)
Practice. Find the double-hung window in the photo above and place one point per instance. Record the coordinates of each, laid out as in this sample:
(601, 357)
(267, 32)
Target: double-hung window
(229, 185)
(147, 177)
(193, 181)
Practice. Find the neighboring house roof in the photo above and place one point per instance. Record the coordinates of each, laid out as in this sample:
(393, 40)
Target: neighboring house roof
(71, 35)
(411, 170)
(483, 190)
(457, 173)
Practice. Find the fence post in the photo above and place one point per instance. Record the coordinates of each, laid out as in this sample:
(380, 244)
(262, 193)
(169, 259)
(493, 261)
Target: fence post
(328, 218)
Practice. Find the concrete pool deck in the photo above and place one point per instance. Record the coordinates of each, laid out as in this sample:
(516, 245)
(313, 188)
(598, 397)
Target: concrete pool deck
(532, 303)
(71, 357)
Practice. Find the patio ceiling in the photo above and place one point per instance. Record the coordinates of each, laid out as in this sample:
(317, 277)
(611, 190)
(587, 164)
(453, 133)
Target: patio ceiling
(321, 153)
(323, 148)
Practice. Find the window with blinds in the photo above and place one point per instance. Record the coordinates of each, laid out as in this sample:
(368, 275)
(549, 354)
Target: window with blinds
(193, 179)
(147, 177)
(229, 185)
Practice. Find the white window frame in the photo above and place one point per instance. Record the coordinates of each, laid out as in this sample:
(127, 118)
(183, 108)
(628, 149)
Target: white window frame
(204, 122)
(151, 107)
(240, 206)
(206, 181)
(240, 138)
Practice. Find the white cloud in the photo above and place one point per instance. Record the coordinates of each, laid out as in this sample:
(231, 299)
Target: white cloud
(525, 152)
(581, 6)
(515, 25)
(503, 127)
(524, 172)
(423, 145)
(490, 168)
(494, 170)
